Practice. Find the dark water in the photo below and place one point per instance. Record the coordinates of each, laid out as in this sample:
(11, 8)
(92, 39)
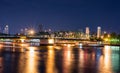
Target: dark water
(49, 59)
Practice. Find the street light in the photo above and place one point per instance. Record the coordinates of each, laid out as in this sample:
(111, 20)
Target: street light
(31, 32)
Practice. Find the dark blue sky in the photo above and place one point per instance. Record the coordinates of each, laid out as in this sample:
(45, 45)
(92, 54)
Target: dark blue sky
(60, 14)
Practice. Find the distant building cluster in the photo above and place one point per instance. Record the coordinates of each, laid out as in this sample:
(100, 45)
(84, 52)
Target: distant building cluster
(30, 30)
(66, 34)
(79, 34)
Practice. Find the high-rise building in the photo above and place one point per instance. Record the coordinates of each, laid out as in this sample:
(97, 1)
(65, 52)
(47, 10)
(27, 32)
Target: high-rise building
(98, 32)
(87, 32)
(22, 31)
(26, 31)
(40, 27)
(6, 29)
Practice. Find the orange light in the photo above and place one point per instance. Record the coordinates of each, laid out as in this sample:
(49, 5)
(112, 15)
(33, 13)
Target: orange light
(108, 35)
(68, 45)
(1, 46)
(31, 32)
(106, 39)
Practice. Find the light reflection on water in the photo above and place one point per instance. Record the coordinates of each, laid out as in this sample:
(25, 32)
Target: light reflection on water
(105, 61)
(67, 59)
(31, 61)
(50, 63)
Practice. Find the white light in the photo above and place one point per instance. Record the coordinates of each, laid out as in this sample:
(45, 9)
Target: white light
(80, 45)
(22, 40)
(51, 41)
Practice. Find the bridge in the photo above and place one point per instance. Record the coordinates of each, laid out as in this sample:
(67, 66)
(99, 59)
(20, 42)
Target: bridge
(41, 37)
(57, 40)
(18, 42)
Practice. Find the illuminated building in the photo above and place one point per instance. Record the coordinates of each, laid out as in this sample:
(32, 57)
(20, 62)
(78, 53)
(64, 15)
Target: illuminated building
(6, 29)
(40, 27)
(26, 31)
(22, 31)
(98, 32)
(87, 32)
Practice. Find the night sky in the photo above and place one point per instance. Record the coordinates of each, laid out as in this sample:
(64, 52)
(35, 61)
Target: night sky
(60, 14)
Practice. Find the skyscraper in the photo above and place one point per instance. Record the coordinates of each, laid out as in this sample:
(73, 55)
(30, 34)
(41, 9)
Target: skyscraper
(22, 31)
(98, 32)
(26, 31)
(40, 27)
(87, 32)
(6, 29)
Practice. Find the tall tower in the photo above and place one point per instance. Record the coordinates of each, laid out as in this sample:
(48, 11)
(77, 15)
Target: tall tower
(98, 32)
(6, 29)
(40, 27)
(87, 32)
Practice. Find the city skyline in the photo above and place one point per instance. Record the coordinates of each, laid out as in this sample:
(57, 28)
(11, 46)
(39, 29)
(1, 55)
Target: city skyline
(60, 15)
(86, 30)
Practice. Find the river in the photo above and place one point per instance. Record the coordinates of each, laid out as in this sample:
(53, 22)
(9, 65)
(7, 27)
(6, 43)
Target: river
(61, 59)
